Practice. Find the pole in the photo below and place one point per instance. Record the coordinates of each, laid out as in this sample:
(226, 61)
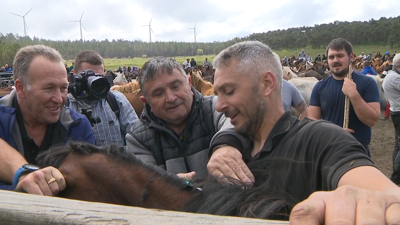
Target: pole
(347, 103)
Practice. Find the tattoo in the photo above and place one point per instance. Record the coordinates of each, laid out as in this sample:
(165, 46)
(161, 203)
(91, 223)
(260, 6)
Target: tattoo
(301, 107)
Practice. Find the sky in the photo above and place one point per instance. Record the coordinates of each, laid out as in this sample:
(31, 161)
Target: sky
(174, 20)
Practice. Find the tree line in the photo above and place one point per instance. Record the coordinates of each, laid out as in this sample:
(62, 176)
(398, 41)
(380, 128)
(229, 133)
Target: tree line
(385, 32)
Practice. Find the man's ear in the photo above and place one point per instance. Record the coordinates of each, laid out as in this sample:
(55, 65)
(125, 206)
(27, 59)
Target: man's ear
(19, 87)
(267, 83)
(144, 100)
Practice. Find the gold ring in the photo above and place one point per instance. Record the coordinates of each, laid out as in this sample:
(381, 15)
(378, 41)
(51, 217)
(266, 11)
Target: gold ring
(52, 180)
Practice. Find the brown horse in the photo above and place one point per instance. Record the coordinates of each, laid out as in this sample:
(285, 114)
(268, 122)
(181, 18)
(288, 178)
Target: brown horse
(204, 87)
(113, 175)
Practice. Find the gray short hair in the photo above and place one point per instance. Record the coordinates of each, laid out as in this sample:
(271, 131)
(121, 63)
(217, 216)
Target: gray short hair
(25, 56)
(255, 58)
(396, 61)
(156, 66)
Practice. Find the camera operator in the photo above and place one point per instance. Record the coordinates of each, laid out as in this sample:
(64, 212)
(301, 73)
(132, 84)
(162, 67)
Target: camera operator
(112, 127)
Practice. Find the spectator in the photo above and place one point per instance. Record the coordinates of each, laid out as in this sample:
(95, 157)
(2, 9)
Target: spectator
(394, 54)
(385, 57)
(7, 68)
(369, 56)
(368, 68)
(309, 58)
(363, 56)
(302, 55)
(186, 64)
(328, 96)
(318, 58)
(291, 97)
(113, 126)
(2, 69)
(378, 54)
(177, 123)
(391, 86)
(324, 57)
(206, 62)
(193, 63)
(71, 68)
(388, 68)
(33, 118)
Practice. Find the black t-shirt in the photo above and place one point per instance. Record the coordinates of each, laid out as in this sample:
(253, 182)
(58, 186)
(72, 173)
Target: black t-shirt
(52, 136)
(301, 157)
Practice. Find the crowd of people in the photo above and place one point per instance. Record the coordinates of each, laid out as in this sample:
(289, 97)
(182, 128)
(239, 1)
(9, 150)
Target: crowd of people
(323, 167)
(6, 68)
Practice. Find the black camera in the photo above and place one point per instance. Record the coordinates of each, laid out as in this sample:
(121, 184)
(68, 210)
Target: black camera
(88, 85)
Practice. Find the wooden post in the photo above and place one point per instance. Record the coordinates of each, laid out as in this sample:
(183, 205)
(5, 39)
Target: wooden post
(23, 209)
(347, 103)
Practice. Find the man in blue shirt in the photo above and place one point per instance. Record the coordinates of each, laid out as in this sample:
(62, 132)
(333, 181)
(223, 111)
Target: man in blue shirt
(328, 96)
(33, 118)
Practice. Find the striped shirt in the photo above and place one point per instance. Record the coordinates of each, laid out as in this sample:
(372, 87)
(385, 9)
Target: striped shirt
(109, 130)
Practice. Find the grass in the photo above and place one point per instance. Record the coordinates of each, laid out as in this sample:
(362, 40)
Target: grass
(114, 63)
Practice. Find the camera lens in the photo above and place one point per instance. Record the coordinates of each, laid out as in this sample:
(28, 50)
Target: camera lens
(98, 86)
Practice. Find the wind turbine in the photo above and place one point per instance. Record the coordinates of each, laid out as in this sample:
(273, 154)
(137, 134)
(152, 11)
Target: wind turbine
(23, 18)
(80, 25)
(150, 30)
(194, 32)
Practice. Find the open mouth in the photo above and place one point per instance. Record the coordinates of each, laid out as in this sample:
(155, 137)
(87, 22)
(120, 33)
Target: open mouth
(54, 108)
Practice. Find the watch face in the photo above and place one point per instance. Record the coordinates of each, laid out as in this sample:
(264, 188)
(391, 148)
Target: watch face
(31, 167)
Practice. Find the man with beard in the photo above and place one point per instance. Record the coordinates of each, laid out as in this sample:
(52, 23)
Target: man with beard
(328, 96)
(295, 157)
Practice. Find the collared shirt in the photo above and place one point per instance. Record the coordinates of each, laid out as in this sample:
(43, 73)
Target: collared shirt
(110, 129)
(301, 157)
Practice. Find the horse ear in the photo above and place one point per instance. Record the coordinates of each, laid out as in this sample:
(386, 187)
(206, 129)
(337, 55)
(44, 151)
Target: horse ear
(190, 79)
(144, 100)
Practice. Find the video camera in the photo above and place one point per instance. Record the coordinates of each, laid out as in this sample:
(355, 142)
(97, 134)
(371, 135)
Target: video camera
(88, 85)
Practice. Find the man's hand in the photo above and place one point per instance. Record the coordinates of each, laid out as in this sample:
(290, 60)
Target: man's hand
(349, 130)
(348, 205)
(227, 162)
(349, 88)
(41, 182)
(187, 176)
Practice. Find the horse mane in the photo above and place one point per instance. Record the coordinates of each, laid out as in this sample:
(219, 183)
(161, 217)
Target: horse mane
(56, 155)
(264, 200)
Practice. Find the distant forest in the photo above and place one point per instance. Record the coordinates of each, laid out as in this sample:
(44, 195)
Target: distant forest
(385, 32)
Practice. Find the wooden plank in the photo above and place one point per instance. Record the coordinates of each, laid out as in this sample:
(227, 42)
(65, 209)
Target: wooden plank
(21, 208)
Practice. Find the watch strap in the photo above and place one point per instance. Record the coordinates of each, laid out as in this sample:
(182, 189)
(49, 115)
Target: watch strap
(17, 175)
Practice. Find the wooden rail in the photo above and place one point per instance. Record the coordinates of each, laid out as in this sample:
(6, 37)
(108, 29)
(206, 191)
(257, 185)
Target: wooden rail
(20, 208)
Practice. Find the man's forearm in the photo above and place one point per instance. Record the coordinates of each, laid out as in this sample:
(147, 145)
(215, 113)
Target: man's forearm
(10, 161)
(364, 111)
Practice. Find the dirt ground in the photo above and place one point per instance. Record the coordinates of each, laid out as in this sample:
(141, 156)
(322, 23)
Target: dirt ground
(381, 145)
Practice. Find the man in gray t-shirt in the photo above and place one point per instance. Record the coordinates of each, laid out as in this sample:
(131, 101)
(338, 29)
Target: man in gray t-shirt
(291, 97)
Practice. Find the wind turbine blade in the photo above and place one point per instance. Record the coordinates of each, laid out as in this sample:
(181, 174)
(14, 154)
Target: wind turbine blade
(74, 21)
(16, 14)
(26, 25)
(151, 30)
(28, 12)
(195, 25)
(83, 26)
(150, 20)
(82, 15)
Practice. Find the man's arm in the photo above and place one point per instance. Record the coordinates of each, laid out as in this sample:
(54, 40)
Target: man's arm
(10, 161)
(36, 182)
(302, 109)
(314, 112)
(368, 113)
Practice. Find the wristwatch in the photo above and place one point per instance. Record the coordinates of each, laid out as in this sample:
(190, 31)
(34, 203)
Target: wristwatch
(26, 168)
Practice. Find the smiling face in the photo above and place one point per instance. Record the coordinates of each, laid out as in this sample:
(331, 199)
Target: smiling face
(240, 98)
(170, 97)
(339, 62)
(43, 101)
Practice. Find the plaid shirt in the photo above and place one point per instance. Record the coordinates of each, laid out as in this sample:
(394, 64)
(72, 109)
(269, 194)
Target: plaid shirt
(110, 130)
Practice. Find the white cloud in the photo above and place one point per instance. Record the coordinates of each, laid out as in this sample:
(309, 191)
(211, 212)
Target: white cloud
(171, 20)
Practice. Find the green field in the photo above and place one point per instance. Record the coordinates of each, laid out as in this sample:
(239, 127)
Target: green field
(113, 64)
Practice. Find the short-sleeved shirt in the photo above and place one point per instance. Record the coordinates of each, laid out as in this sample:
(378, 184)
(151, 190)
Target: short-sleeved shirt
(291, 97)
(301, 157)
(327, 94)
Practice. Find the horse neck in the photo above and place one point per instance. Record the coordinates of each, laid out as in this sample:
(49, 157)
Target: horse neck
(103, 178)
